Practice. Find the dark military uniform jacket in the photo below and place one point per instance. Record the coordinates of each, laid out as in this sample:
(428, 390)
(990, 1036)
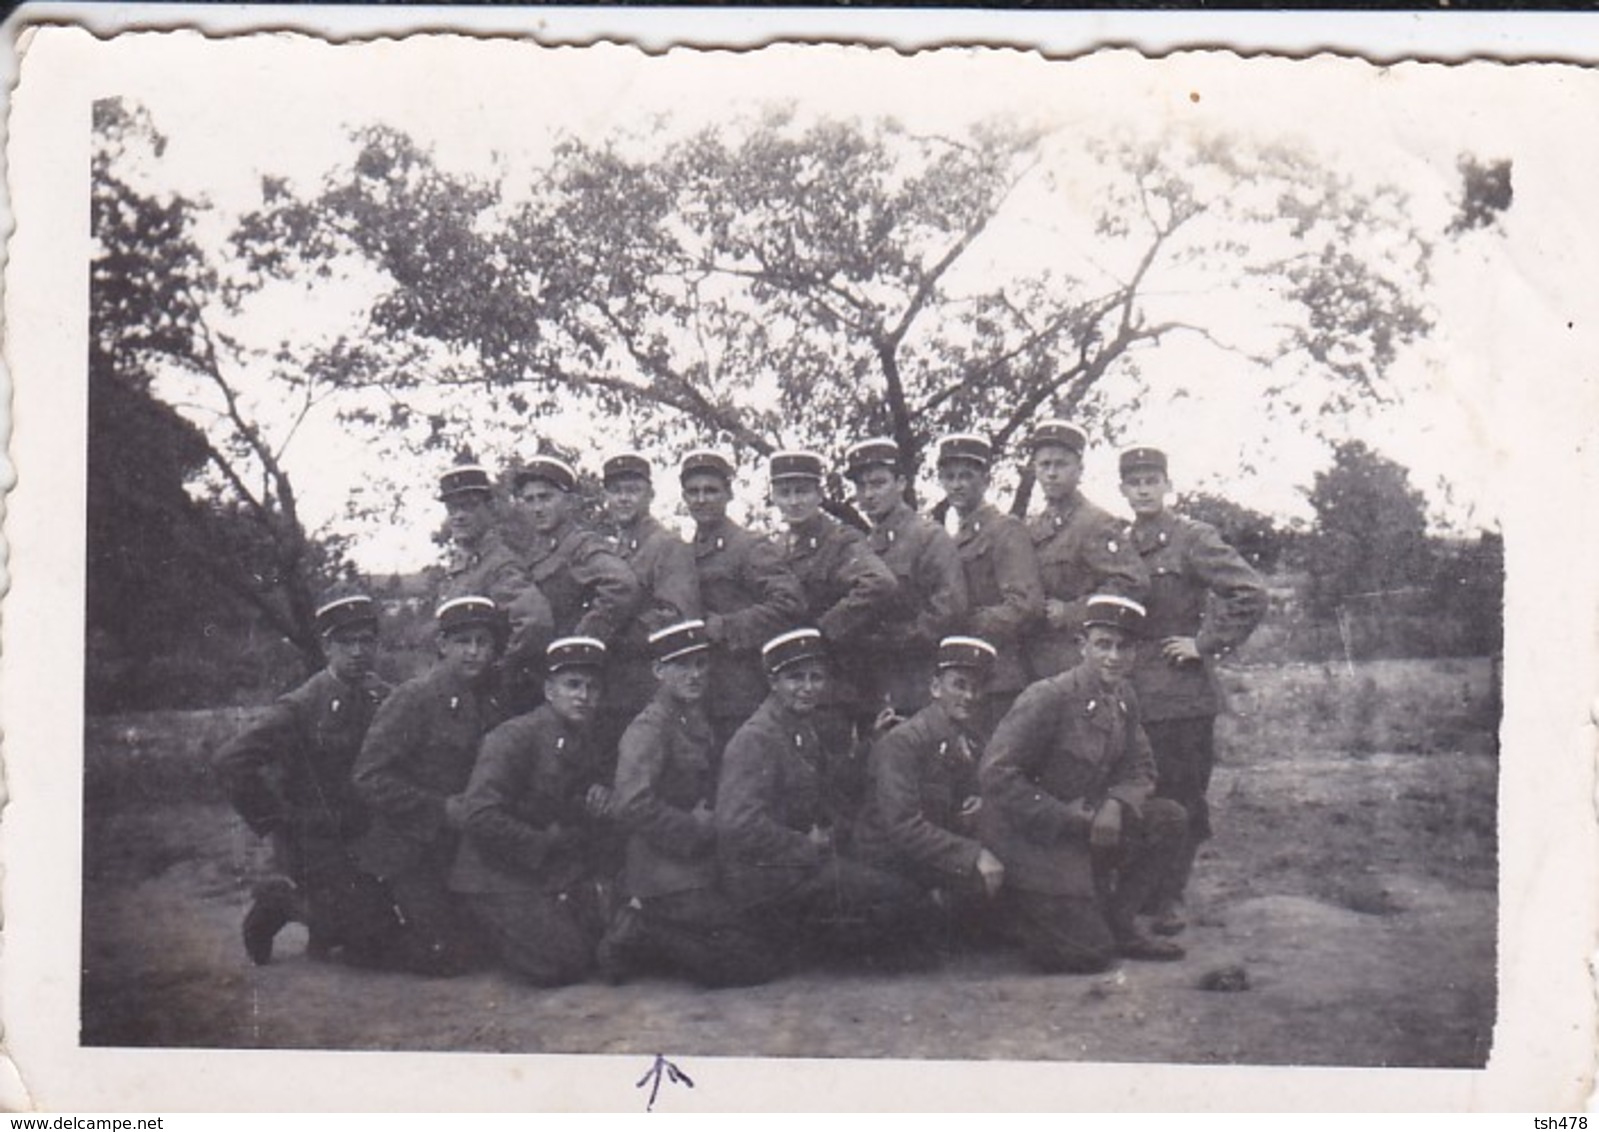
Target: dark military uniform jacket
(1082, 550)
(418, 752)
(591, 591)
(1066, 746)
(1002, 583)
(847, 587)
(776, 783)
(667, 766)
(931, 598)
(526, 823)
(290, 771)
(1198, 587)
(750, 596)
(669, 593)
(493, 571)
(922, 774)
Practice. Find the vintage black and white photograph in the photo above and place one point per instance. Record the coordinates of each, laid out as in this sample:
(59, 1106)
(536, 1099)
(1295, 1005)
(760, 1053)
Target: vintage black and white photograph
(813, 552)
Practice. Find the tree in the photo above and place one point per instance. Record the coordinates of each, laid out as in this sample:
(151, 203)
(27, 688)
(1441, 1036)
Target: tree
(1370, 534)
(783, 281)
(178, 511)
(1252, 534)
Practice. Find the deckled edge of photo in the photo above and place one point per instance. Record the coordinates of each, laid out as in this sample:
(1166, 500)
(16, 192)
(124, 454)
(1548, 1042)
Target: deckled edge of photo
(40, 643)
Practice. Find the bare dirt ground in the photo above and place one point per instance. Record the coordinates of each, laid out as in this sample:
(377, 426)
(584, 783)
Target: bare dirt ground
(1352, 877)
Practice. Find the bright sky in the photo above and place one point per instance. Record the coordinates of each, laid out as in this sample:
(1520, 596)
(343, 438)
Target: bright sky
(283, 105)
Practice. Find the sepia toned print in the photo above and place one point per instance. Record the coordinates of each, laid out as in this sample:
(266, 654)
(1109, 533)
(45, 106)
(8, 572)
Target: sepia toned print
(1209, 400)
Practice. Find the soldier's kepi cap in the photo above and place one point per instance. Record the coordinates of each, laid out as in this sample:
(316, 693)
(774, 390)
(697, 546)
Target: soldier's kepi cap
(470, 612)
(966, 446)
(966, 652)
(1143, 457)
(796, 465)
(549, 469)
(878, 452)
(574, 652)
(465, 479)
(705, 460)
(1115, 612)
(683, 639)
(1057, 432)
(790, 648)
(624, 464)
(352, 611)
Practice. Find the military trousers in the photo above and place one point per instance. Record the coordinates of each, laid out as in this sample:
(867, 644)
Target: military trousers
(336, 900)
(1080, 934)
(1185, 756)
(700, 934)
(546, 938)
(840, 904)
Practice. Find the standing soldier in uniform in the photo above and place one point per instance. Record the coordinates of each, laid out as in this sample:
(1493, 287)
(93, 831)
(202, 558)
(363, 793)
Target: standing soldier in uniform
(920, 819)
(898, 653)
(1002, 584)
(535, 817)
(1204, 601)
(289, 778)
(848, 590)
(1067, 783)
(417, 756)
(1082, 549)
(483, 565)
(749, 593)
(669, 585)
(783, 818)
(592, 592)
(665, 790)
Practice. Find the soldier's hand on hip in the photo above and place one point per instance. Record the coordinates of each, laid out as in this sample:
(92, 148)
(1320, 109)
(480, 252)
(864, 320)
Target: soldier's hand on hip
(1180, 650)
(702, 813)
(821, 838)
(1058, 614)
(886, 721)
(992, 871)
(1106, 830)
(598, 801)
(455, 811)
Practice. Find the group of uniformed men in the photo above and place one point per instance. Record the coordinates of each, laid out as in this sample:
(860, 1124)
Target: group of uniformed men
(716, 758)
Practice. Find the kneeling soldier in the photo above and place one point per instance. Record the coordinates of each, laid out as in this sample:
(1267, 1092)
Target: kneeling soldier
(1067, 783)
(289, 778)
(782, 822)
(921, 815)
(665, 786)
(535, 817)
(418, 754)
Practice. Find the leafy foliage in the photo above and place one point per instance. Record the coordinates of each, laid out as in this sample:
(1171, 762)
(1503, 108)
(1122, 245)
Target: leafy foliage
(192, 530)
(1254, 535)
(781, 281)
(1370, 537)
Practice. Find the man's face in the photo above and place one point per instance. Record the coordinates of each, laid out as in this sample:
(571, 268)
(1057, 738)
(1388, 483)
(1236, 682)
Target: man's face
(1145, 490)
(352, 653)
(965, 483)
(545, 504)
(1111, 652)
(879, 491)
(1058, 471)
(797, 499)
(627, 499)
(573, 694)
(684, 678)
(468, 517)
(706, 495)
(471, 649)
(799, 687)
(959, 690)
